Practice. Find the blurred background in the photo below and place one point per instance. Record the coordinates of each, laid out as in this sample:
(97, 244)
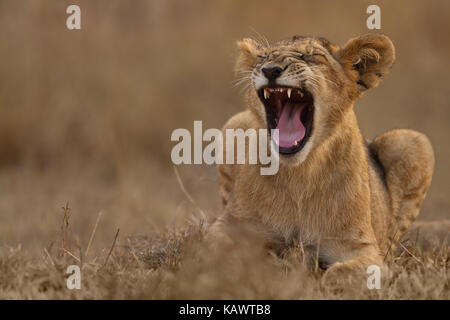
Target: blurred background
(86, 115)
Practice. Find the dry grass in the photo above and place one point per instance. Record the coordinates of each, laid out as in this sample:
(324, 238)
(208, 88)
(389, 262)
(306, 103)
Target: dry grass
(86, 118)
(176, 264)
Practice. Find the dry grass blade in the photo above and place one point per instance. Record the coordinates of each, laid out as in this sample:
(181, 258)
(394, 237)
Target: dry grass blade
(71, 254)
(112, 248)
(188, 196)
(134, 255)
(390, 245)
(93, 233)
(49, 257)
(65, 225)
(410, 253)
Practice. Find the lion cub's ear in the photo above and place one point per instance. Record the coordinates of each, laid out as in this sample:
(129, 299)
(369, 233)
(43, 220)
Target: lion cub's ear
(368, 58)
(248, 55)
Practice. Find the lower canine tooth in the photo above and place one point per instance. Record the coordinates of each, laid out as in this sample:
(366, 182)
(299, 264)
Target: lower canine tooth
(289, 91)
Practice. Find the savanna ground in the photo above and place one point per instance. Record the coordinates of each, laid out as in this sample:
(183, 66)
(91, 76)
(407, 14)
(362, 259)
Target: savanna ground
(85, 124)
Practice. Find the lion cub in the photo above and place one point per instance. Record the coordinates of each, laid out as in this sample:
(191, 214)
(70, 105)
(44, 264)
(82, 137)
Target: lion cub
(334, 194)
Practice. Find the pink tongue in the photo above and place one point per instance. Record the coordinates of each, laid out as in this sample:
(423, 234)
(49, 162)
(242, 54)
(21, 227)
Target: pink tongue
(290, 127)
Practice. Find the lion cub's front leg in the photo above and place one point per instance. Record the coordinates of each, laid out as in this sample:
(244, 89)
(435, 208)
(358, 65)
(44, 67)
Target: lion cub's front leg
(220, 229)
(227, 172)
(362, 255)
(352, 250)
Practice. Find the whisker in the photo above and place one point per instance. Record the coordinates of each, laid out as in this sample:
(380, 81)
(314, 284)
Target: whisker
(325, 79)
(242, 78)
(245, 87)
(311, 68)
(239, 83)
(263, 39)
(244, 71)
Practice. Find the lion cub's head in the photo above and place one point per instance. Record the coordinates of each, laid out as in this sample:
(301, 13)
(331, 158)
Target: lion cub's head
(303, 86)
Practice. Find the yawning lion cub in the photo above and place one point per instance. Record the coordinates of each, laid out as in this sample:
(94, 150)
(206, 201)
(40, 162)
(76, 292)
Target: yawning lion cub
(334, 194)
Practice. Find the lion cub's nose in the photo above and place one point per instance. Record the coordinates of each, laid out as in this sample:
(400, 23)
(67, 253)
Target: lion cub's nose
(272, 72)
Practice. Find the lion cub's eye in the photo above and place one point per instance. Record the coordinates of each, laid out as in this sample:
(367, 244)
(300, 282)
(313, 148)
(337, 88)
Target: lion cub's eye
(295, 54)
(260, 58)
(315, 58)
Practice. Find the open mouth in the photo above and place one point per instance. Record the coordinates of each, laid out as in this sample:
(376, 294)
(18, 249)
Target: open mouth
(291, 111)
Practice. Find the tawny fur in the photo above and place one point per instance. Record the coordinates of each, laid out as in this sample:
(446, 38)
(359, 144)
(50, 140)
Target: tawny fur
(348, 200)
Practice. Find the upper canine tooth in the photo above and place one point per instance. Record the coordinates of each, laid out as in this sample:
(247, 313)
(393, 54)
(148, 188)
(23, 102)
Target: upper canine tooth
(300, 93)
(266, 94)
(289, 91)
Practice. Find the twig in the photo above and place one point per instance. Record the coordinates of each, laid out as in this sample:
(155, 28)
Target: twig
(112, 247)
